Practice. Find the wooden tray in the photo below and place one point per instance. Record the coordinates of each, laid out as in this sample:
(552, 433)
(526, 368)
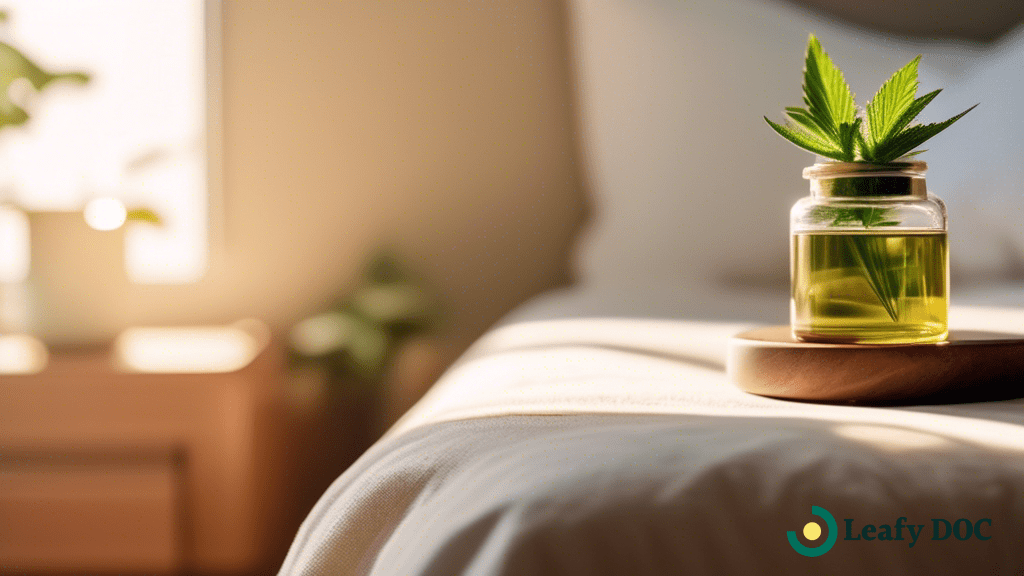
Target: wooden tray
(970, 367)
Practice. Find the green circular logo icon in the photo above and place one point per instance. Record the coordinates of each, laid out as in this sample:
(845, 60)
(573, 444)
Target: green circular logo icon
(812, 531)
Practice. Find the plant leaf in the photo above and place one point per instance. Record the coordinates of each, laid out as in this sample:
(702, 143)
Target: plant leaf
(15, 65)
(862, 146)
(904, 142)
(829, 125)
(807, 141)
(891, 101)
(848, 132)
(812, 125)
(828, 97)
(912, 111)
(873, 261)
(144, 215)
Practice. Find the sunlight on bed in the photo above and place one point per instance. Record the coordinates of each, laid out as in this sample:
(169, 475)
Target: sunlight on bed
(893, 439)
(615, 365)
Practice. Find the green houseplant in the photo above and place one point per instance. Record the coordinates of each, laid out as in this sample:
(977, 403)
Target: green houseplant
(356, 338)
(16, 67)
(869, 245)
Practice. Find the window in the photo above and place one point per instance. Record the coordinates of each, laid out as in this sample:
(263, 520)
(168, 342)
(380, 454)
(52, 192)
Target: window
(137, 131)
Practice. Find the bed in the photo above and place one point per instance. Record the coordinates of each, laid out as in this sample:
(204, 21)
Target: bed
(618, 446)
(595, 431)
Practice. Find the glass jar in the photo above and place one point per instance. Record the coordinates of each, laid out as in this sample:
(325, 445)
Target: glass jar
(869, 256)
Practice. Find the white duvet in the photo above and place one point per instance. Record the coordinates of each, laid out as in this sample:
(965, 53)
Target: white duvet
(617, 446)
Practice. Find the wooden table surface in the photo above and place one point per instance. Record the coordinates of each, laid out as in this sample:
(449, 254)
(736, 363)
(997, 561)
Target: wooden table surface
(970, 367)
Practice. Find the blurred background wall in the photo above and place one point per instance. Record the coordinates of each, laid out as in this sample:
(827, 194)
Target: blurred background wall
(443, 129)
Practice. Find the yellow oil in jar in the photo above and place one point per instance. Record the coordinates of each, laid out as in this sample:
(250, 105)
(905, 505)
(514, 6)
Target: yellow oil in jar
(870, 287)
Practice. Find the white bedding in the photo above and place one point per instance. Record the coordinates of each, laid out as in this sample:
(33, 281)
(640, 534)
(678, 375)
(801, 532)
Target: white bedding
(618, 446)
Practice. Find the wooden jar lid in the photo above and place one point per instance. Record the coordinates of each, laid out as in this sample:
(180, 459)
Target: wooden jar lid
(970, 367)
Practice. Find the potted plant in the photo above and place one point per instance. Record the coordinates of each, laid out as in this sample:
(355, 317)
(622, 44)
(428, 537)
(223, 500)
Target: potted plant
(869, 245)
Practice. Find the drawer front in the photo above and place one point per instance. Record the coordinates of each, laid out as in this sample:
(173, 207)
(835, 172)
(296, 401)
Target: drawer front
(89, 516)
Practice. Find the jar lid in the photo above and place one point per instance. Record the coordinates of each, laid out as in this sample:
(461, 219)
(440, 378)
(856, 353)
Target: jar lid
(828, 170)
(865, 180)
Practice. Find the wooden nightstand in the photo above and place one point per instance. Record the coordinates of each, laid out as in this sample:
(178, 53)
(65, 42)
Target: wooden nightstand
(103, 470)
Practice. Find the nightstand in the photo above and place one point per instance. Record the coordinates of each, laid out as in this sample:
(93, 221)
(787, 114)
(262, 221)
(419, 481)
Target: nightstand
(108, 470)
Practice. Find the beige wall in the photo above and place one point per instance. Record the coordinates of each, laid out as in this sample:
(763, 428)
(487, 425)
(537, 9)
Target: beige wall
(443, 128)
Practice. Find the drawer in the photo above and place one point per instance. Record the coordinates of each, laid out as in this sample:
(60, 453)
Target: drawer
(89, 514)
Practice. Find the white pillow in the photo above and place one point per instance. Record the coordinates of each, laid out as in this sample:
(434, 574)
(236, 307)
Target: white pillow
(689, 182)
(979, 170)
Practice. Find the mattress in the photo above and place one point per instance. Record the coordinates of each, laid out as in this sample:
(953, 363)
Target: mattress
(618, 446)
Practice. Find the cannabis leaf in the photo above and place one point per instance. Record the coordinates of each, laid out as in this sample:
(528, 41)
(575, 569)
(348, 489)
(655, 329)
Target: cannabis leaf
(828, 97)
(832, 126)
(887, 281)
(885, 276)
(867, 217)
(893, 98)
(904, 142)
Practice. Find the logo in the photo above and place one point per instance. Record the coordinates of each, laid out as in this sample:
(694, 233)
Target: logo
(812, 531)
(942, 529)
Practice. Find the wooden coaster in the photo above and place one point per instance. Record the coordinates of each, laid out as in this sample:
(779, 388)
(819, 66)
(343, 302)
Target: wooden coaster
(970, 367)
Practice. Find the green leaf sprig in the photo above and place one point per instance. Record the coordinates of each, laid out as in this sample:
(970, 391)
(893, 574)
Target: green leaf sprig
(14, 66)
(832, 126)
